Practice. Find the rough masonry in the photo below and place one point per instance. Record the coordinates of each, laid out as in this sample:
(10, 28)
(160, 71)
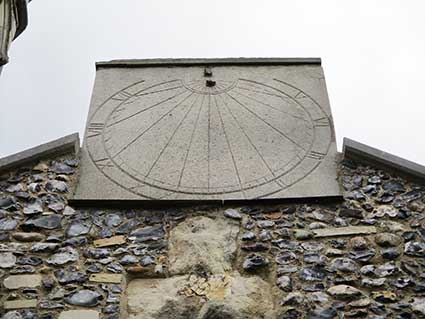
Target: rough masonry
(358, 258)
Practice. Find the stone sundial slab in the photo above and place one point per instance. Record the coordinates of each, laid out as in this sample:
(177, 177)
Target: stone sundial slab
(208, 130)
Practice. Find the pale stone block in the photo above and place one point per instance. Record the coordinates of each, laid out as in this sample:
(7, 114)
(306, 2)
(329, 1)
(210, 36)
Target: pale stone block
(116, 240)
(20, 304)
(202, 242)
(79, 314)
(22, 281)
(344, 231)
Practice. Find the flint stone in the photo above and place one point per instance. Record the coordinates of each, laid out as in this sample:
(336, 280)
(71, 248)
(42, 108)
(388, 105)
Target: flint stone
(28, 237)
(202, 241)
(44, 247)
(60, 168)
(8, 202)
(63, 256)
(388, 240)
(35, 207)
(344, 292)
(84, 298)
(57, 186)
(7, 224)
(7, 260)
(69, 277)
(344, 265)
(148, 233)
(418, 306)
(97, 253)
(312, 274)
(44, 222)
(113, 220)
(232, 213)
(416, 249)
(33, 261)
(255, 262)
(22, 281)
(78, 228)
(351, 213)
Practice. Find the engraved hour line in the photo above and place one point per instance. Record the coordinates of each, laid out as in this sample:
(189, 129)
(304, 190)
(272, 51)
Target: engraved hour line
(94, 129)
(272, 107)
(172, 136)
(267, 123)
(191, 140)
(151, 126)
(146, 109)
(246, 135)
(321, 122)
(316, 155)
(230, 148)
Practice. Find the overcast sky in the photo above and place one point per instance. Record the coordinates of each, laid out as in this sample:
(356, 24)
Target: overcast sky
(373, 54)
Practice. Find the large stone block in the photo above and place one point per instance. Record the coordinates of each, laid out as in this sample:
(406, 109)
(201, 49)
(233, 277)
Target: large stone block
(22, 281)
(202, 243)
(191, 297)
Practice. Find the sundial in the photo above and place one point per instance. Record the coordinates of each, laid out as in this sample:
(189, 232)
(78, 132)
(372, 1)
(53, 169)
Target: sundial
(208, 130)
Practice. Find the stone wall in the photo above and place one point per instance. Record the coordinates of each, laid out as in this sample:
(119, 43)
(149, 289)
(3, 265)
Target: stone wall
(360, 258)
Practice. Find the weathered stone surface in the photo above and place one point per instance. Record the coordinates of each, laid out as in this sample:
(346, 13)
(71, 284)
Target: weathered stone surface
(186, 165)
(84, 298)
(107, 278)
(7, 260)
(63, 256)
(178, 297)
(344, 231)
(20, 304)
(116, 240)
(22, 281)
(418, 306)
(148, 233)
(79, 314)
(44, 222)
(202, 242)
(232, 213)
(28, 237)
(344, 292)
(388, 240)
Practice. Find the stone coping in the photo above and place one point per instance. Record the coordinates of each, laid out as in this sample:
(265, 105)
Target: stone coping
(211, 62)
(363, 153)
(66, 144)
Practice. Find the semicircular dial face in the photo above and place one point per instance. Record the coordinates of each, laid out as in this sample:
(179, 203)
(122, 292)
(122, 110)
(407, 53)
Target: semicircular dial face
(205, 139)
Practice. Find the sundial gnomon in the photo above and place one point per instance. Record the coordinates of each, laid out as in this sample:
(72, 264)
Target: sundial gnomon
(208, 137)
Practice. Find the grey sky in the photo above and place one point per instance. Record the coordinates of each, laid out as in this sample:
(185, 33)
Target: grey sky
(373, 56)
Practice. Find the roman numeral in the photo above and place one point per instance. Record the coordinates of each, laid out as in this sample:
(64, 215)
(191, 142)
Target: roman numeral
(94, 129)
(103, 163)
(321, 122)
(316, 155)
(122, 96)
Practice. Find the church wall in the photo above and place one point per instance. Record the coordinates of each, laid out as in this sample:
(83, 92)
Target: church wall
(362, 257)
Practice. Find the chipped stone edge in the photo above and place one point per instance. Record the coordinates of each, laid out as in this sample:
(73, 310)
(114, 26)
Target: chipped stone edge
(64, 145)
(201, 62)
(357, 151)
